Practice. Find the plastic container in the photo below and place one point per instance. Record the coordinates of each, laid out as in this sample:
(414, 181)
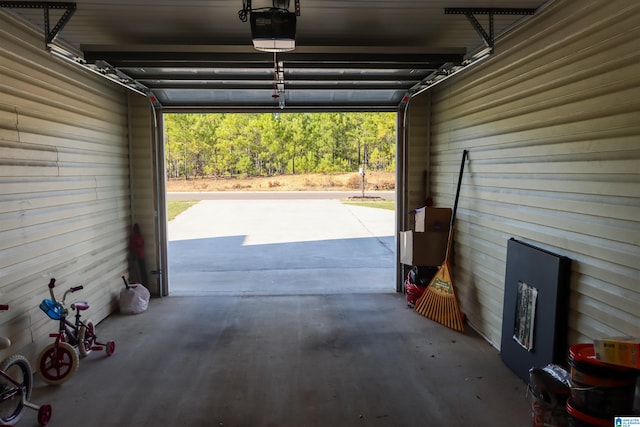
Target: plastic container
(417, 281)
(52, 309)
(413, 292)
(577, 418)
(600, 389)
(548, 392)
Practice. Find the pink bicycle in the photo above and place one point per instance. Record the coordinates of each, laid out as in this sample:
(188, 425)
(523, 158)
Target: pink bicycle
(16, 383)
(59, 361)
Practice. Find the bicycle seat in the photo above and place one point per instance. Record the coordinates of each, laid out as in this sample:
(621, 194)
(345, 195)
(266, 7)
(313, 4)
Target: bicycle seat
(4, 343)
(80, 305)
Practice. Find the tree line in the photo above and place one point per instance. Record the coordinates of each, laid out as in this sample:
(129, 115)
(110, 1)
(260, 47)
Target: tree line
(267, 144)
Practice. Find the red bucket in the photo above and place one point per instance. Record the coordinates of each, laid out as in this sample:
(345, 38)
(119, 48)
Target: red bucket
(597, 388)
(577, 418)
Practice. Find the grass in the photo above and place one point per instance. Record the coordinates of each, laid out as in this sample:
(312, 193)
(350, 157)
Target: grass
(176, 207)
(380, 204)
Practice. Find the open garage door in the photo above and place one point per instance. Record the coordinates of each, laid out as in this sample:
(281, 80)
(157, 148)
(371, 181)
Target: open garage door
(285, 203)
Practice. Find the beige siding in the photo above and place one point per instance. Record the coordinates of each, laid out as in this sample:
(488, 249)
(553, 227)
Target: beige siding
(417, 156)
(64, 185)
(552, 122)
(145, 199)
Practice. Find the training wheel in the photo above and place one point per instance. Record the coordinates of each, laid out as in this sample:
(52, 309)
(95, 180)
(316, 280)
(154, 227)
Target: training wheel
(110, 348)
(44, 415)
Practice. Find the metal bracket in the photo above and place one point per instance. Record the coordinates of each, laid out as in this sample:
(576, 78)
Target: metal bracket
(471, 13)
(247, 9)
(49, 33)
(284, 4)
(450, 69)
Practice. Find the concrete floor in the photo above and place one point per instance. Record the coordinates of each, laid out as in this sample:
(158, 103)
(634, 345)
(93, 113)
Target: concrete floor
(219, 352)
(313, 360)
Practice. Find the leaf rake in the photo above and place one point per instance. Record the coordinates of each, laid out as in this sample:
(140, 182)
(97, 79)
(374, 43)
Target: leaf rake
(439, 301)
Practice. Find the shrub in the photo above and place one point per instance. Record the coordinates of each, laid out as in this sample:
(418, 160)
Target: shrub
(355, 181)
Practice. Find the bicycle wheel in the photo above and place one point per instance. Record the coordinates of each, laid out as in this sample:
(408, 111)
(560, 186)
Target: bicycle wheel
(11, 403)
(58, 363)
(86, 338)
(110, 348)
(44, 415)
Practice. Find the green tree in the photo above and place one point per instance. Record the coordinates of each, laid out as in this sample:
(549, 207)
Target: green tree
(186, 146)
(277, 143)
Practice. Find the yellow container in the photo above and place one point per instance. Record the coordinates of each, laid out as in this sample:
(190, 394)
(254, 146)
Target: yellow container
(621, 351)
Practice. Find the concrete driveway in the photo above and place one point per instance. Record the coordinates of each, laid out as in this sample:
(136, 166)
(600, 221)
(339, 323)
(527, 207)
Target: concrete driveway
(281, 247)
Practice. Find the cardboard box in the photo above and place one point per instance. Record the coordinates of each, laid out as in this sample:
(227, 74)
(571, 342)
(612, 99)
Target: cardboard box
(426, 243)
(423, 249)
(621, 351)
(431, 219)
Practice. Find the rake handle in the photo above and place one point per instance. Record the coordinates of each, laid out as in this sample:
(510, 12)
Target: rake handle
(455, 204)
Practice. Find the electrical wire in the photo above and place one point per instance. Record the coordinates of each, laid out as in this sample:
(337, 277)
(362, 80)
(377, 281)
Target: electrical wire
(275, 77)
(243, 13)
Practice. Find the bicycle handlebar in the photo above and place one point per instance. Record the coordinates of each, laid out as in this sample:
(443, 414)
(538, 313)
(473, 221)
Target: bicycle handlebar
(52, 284)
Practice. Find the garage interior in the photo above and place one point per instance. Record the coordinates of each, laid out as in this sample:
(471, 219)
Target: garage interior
(345, 55)
(543, 94)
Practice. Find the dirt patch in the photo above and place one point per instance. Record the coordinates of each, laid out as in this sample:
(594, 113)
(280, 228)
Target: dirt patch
(383, 181)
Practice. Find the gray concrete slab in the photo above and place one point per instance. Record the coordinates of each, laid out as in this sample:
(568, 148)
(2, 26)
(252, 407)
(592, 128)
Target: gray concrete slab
(284, 360)
(244, 340)
(285, 246)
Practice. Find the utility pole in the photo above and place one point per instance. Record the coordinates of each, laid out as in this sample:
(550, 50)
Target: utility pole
(363, 171)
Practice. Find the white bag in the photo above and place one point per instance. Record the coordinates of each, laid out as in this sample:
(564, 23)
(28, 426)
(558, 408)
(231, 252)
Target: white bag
(134, 300)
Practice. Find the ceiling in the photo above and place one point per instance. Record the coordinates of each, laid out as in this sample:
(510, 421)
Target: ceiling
(198, 54)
